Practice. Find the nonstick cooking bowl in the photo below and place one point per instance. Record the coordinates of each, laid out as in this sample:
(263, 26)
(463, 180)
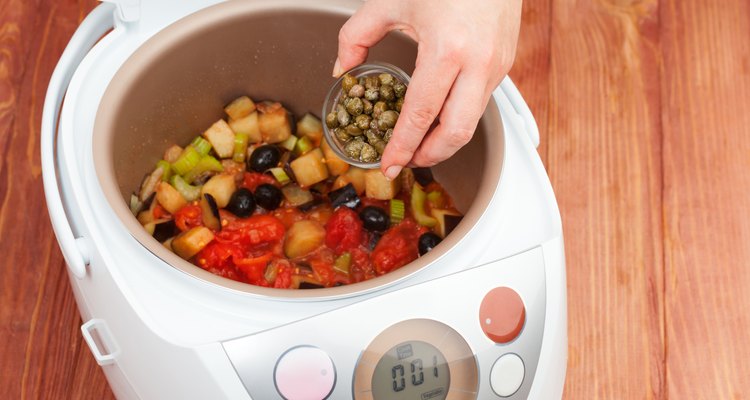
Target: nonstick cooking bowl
(178, 82)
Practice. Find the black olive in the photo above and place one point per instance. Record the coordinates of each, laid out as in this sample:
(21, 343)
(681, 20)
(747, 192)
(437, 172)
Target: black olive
(242, 203)
(344, 196)
(310, 285)
(165, 230)
(264, 157)
(375, 219)
(268, 196)
(427, 242)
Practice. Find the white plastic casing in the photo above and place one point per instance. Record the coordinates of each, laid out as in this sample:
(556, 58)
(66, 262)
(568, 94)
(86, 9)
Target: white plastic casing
(162, 330)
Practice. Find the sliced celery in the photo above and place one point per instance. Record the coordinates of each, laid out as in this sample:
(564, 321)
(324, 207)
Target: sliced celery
(206, 164)
(304, 145)
(397, 211)
(186, 161)
(240, 147)
(201, 145)
(418, 198)
(280, 175)
(289, 143)
(188, 191)
(342, 263)
(166, 167)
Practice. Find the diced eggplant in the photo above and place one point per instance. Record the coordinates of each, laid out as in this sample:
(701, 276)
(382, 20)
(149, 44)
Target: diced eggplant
(418, 200)
(275, 126)
(309, 285)
(447, 220)
(221, 188)
(210, 212)
(303, 238)
(345, 196)
(374, 239)
(295, 195)
(165, 231)
(240, 107)
(316, 201)
(310, 168)
(189, 243)
(311, 127)
(336, 166)
(221, 137)
(247, 126)
(423, 176)
(169, 197)
(377, 186)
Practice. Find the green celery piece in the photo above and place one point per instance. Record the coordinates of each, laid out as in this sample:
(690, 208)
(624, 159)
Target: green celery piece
(201, 145)
(206, 164)
(398, 210)
(186, 161)
(240, 146)
(188, 191)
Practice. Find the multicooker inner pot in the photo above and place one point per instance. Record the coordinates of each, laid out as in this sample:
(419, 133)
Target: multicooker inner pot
(482, 316)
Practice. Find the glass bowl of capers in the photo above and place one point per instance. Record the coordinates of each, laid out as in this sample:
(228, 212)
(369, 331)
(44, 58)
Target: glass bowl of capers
(361, 110)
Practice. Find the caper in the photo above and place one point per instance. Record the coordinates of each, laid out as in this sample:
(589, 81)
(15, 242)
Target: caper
(368, 153)
(400, 89)
(359, 138)
(386, 79)
(348, 82)
(374, 125)
(353, 130)
(387, 93)
(354, 106)
(361, 81)
(343, 117)
(357, 91)
(341, 135)
(366, 107)
(354, 148)
(379, 146)
(362, 121)
(387, 120)
(372, 82)
(399, 104)
(372, 135)
(387, 135)
(372, 94)
(379, 108)
(331, 120)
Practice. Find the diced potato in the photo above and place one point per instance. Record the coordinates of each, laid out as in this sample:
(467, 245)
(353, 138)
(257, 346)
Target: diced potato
(311, 127)
(239, 108)
(169, 197)
(189, 243)
(378, 187)
(310, 168)
(172, 153)
(336, 166)
(249, 126)
(357, 178)
(221, 188)
(275, 126)
(221, 137)
(303, 238)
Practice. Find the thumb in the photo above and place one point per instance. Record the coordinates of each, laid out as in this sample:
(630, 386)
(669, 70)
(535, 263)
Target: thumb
(363, 30)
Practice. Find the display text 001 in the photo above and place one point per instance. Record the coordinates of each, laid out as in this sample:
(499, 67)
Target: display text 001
(417, 373)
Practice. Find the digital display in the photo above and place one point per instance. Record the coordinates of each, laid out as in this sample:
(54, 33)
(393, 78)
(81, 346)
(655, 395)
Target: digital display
(412, 370)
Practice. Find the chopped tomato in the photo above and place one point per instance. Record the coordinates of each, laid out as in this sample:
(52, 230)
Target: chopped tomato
(397, 247)
(344, 230)
(253, 268)
(159, 212)
(254, 179)
(283, 277)
(258, 229)
(361, 268)
(219, 257)
(189, 216)
(288, 215)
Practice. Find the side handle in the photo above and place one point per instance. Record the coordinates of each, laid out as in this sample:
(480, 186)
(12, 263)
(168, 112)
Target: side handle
(521, 108)
(93, 27)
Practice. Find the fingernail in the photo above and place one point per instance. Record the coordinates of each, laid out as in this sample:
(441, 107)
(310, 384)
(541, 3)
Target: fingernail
(392, 172)
(337, 69)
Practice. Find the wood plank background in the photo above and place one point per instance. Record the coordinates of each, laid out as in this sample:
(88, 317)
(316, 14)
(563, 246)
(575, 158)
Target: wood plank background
(644, 111)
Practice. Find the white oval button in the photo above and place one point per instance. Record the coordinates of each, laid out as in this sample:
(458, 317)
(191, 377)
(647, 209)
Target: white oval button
(305, 373)
(507, 374)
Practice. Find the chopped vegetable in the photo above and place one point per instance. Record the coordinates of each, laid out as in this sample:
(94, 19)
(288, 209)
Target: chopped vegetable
(166, 167)
(186, 161)
(240, 107)
(418, 198)
(435, 198)
(188, 191)
(302, 146)
(275, 126)
(336, 166)
(398, 210)
(447, 220)
(303, 238)
(310, 168)
(342, 263)
(280, 175)
(165, 230)
(377, 186)
(221, 137)
(221, 188)
(295, 195)
(311, 127)
(149, 184)
(172, 153)
(423, 176)
(247, 126)
(210, 212)
(290, 143)
(345, 196)
(169, 197)
(189, 243)
(202, 146)
(240, 147)
(206, 165)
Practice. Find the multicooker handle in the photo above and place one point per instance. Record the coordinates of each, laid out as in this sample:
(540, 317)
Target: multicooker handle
(97, 23)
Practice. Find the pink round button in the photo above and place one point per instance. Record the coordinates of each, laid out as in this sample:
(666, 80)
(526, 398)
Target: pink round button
(305, 373)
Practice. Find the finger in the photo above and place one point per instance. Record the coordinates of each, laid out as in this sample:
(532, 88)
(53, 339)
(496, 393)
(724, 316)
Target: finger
(363, 30)
(427, 91)
(458, 120)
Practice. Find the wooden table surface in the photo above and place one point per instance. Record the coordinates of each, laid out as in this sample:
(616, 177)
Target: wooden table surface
(644, 112)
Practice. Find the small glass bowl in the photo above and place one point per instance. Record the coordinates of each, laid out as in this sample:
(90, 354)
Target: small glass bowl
(369, 69)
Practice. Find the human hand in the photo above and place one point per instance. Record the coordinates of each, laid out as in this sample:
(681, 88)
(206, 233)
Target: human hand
(464, 50)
